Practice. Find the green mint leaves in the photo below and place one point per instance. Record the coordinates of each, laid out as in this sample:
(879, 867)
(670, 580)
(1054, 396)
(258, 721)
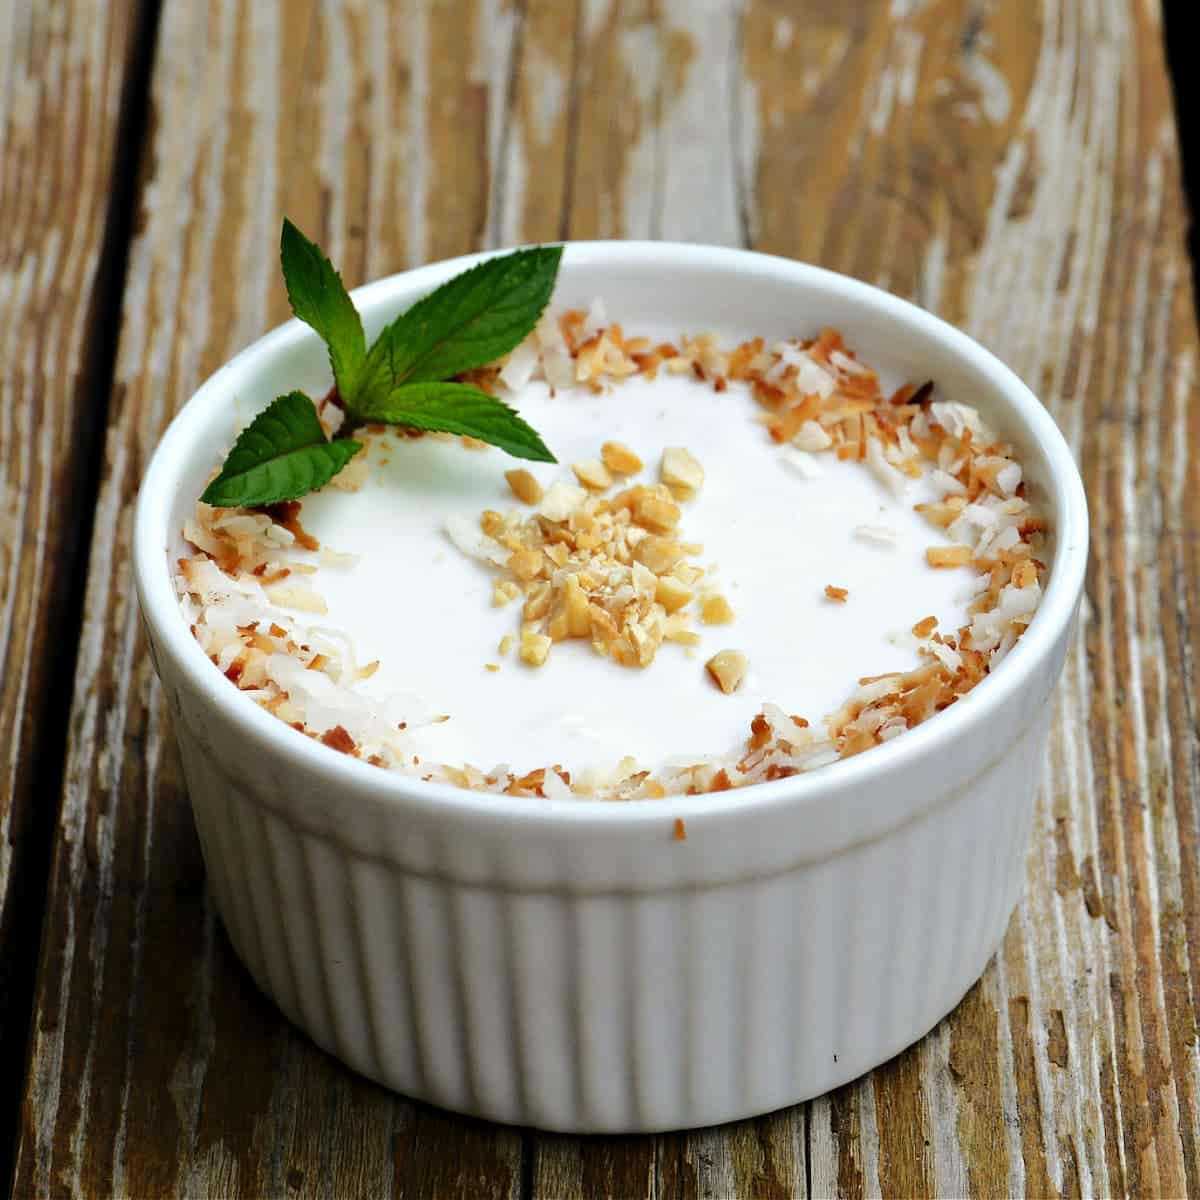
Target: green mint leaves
(282, 454)
(470, 321)
(459, 408)
(404, 379)
(318, 298)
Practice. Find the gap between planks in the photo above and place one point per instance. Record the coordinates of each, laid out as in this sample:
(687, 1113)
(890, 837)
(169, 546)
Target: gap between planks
(61, 613)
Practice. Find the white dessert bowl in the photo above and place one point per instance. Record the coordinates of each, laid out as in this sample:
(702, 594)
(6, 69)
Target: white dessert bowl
(569, 964)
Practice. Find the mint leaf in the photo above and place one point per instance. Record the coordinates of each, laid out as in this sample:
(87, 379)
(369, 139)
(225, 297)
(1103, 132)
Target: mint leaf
(318, 298)
(460, 408)
(470, 321)
(281, 455)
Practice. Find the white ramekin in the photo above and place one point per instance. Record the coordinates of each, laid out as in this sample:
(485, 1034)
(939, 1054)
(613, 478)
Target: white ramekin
(568, 964)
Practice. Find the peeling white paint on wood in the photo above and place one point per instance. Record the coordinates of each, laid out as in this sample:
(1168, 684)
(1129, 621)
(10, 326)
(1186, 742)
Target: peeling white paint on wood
(417, 168)
(696, 142)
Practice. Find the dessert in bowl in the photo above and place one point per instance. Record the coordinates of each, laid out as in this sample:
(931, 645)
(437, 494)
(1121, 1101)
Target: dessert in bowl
(808, 862)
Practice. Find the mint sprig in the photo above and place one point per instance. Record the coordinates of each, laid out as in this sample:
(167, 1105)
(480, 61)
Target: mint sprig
(281, 455)
(470, 321)
(318, 297)
(459, 408)
(405, 378)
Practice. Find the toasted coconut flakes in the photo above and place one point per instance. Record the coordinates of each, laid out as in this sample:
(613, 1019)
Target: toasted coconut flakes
(300, 598)
(468, 538)
(879, 535)
(1024, 574)
(948, 556)
(946, 483)
(850, 365)
(895, 481)
(595, 320)
(811, 378)
(925, 627)
(812, 437)
(335, 558)
(837, 594)
(338, 739)
(679, 831)
(949, 658)
(803, 463)
(520, 368)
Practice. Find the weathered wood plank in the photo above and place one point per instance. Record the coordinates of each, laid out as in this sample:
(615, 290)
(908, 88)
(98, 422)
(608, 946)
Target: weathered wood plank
(1012, 167)
(64, 69)
(157, 1068)
(1021, 178)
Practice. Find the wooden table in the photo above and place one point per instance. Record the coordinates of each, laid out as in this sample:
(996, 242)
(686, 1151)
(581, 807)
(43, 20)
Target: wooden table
(1011, 165)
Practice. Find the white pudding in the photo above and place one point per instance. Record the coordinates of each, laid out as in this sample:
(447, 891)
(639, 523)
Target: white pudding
(773, 537)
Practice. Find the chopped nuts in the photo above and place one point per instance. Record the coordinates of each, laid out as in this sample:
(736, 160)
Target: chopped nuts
(681, 470)
(539, 598)
(675, 629)
(655, 513)
(504, 591)
(728, 669)
(525, 564)
(619, 459)
(601, 569)
(715, 610)
(579, 623)
(561, 500)
(524, 486)
(592, 474)
(534, 648)
(838, 595)
(556, 627)
(658, 553)
(671, 593)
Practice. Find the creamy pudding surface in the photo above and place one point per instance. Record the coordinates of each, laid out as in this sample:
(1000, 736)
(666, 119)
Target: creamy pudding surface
(828, 495)
(772, 539)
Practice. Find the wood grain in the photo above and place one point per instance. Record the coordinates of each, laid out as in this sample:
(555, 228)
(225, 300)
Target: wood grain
(1013, 167)
(63, 71)
(157, 1068)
